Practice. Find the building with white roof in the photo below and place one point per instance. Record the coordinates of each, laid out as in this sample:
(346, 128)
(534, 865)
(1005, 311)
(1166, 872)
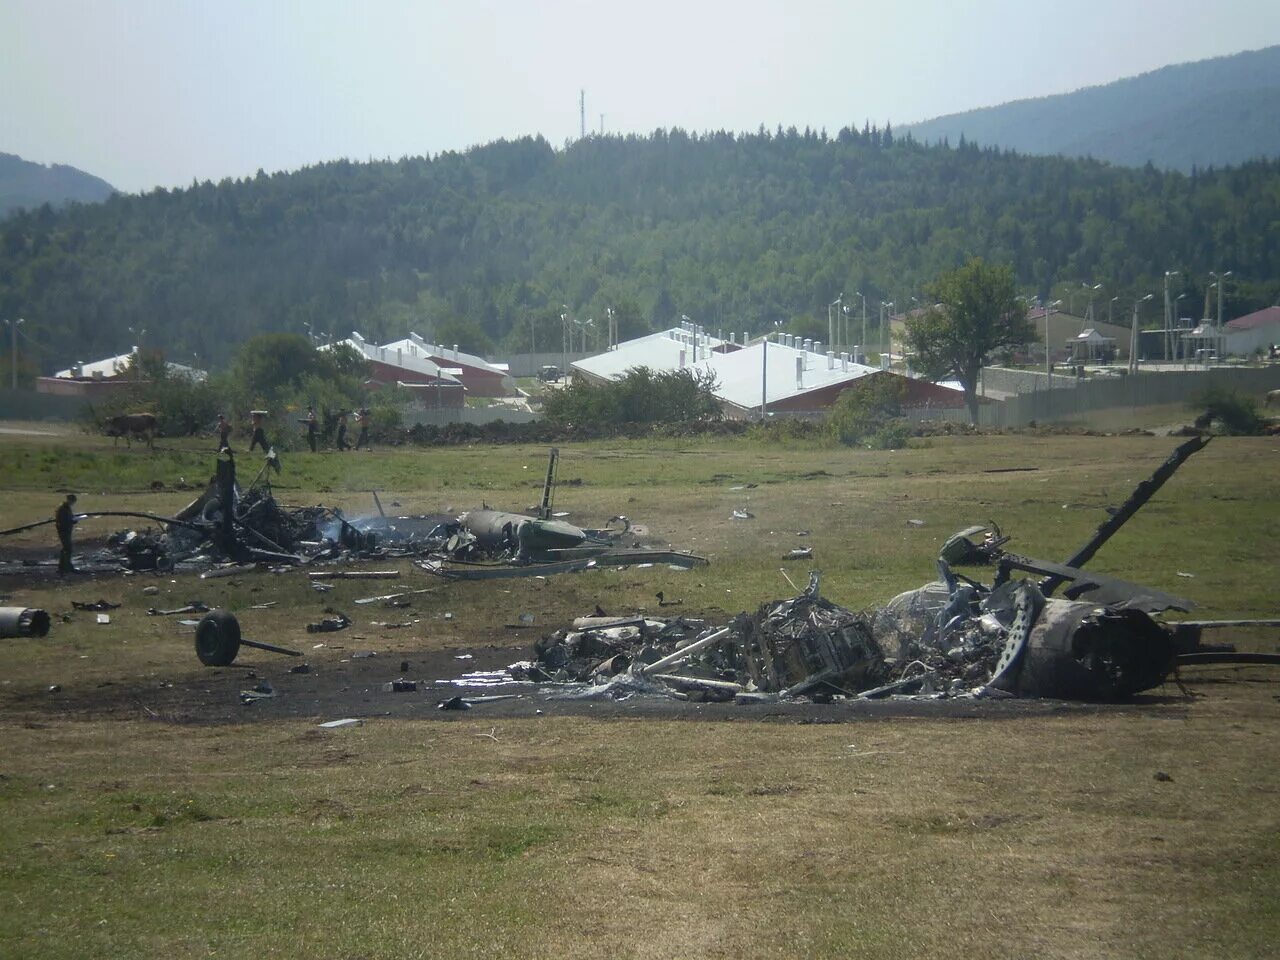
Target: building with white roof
(103, 377)
(788, 375)
(417, 358)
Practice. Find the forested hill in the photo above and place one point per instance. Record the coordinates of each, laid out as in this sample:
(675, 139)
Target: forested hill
(736, 231)
(1208, 113)
(27, 184)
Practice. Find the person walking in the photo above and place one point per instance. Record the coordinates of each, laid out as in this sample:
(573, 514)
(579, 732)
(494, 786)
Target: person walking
(342, 433)
(312, 427)
(362, 418)
(64, 521)
(258, 418)
(224, 432)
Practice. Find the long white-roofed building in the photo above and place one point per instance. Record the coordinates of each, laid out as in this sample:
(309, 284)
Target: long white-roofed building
(789, 374)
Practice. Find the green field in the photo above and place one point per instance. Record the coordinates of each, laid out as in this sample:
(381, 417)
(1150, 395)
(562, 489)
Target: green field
(1045, 835)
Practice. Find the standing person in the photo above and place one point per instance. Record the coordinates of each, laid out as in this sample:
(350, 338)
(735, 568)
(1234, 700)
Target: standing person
(259, 433)
(224, 433)
(342, 432)
(312, 426)
(362, 418)
(64, 521)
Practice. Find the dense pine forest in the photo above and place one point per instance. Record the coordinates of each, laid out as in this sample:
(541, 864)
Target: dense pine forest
(486, 248)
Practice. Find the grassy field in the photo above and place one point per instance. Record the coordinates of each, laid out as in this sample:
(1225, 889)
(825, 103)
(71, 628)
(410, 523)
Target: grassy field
(1040, 836)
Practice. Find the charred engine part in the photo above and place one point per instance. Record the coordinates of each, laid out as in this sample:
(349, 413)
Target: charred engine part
(218, 640)
(1081, 651)
(962, 548)
(807, 644)
(498, 532)
(23, 622)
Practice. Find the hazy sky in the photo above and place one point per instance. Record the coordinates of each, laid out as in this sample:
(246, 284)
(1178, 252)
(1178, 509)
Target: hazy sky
(159, 93)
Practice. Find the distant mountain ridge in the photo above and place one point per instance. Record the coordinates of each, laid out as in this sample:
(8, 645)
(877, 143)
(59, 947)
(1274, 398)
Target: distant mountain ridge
(27, 184)
(1208, 113)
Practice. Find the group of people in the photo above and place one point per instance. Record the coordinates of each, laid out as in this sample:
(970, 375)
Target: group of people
(310, 422)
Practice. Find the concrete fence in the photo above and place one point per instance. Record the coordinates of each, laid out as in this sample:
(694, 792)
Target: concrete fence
(440, 416)
(1086, 396)
(29, 405)
(1006, 380)
(528, 364)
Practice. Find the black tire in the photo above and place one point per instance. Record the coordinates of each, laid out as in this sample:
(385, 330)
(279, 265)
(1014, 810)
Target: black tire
(218, 638)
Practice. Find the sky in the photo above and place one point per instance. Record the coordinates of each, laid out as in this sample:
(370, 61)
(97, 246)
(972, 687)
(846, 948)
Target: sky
(148, 93)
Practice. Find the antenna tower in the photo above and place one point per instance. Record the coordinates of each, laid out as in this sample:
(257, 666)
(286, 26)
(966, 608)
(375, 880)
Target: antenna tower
(582, 114)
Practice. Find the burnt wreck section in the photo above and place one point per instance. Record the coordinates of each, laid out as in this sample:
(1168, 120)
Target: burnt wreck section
(248, 527)
(954, 637)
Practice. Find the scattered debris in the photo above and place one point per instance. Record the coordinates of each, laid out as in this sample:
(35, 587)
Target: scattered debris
(218, 640)
(355, 575)
(193, 606)
(400, 685)
(103, 618)
(740, 514)
(95, 606)
(263, 691)
(340, 724)
(331, 624)
(799, 553)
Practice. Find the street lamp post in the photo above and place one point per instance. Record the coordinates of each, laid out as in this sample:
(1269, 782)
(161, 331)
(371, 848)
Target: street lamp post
(1173, 314)
(864, 322)
(1222, 282)
(844, 339)
(831, 324)
(1133, 333)
(1090, 291)
(1110, 307)
(886, 312)
(1048, 311)
(1168, 315)
(565, 346)
(13, 350)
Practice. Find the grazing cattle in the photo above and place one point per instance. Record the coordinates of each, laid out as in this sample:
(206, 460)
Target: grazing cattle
(130, 425)
(1273, 398)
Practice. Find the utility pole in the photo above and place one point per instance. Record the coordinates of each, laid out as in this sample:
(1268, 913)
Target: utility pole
(1168, 316)
(582, 114)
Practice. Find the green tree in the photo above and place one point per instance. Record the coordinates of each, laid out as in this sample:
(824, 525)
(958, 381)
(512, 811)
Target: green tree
(977, 311)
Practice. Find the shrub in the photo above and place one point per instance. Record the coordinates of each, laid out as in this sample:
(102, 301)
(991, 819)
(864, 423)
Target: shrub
(865, 409)
(1238, 414)
(642, 395)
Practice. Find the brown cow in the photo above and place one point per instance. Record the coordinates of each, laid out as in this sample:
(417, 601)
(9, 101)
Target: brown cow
(130, 425)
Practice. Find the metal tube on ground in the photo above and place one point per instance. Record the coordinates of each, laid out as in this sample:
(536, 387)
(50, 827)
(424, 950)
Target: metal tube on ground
(683, 653)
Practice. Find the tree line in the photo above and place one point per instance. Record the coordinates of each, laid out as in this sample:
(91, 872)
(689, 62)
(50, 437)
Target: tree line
(488, 248)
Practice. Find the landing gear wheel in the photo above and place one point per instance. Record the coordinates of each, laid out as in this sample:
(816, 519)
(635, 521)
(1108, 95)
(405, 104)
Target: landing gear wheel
(218, 638)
